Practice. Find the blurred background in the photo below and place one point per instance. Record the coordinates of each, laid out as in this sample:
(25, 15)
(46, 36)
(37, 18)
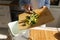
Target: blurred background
(8, 13)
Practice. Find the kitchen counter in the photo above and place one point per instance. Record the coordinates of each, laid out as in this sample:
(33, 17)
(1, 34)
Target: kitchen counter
(24, 35)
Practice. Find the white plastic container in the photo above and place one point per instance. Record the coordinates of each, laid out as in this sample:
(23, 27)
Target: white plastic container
(20, 34)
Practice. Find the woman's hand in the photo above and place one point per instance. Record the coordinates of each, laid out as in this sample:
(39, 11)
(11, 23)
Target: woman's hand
(42, 7)
(27, 7)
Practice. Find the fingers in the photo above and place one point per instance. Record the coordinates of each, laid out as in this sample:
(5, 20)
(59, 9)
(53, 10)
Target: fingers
(28, 7)
(42, 7)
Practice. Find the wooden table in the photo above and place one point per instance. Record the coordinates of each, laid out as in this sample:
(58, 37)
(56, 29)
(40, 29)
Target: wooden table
(44, 35)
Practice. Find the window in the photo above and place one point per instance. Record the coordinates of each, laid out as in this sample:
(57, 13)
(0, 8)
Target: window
(54, 2)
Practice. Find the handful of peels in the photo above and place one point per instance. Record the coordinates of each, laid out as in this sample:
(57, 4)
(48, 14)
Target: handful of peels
(34, 18)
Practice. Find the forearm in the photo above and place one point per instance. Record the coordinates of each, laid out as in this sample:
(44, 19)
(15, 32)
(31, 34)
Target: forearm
(24, 4)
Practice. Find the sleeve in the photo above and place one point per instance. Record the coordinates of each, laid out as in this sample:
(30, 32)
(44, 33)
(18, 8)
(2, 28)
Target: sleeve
(47, 3)
(23, 2)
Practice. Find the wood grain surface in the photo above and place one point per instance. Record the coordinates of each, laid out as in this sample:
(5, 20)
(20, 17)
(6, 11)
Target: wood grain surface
(43, 35)
(45, 16)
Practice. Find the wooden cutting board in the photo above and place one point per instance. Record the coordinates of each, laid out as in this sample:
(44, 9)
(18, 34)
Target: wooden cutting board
(45, 16)
(43, 35)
